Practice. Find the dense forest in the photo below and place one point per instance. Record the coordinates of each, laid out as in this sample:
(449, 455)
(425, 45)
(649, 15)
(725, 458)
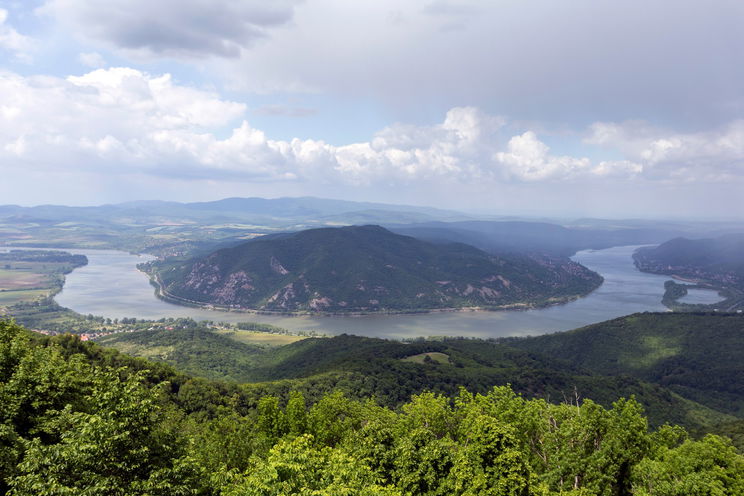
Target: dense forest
(80, 419)
(697, 355)
(683, 368)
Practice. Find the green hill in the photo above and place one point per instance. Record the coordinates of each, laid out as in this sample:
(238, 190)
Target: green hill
(80, 419)
(366, 269)
(699, 356)
(719, 261)
(556, 367)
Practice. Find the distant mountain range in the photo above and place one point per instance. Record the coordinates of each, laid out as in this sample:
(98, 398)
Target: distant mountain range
(282, 212)
(173, 228)
(366, 269)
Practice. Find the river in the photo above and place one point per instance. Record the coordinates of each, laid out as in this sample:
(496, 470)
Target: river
(700, 296)
(111, 286)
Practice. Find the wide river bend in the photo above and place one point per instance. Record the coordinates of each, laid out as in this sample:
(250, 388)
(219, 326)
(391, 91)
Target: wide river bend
(111, 286)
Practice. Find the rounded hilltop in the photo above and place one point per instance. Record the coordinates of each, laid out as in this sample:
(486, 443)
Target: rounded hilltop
(366, 269)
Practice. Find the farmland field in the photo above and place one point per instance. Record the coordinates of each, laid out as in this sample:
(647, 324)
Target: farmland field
(27, 275)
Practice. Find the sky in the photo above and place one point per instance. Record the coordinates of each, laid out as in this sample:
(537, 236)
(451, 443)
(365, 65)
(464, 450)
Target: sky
(511, 107)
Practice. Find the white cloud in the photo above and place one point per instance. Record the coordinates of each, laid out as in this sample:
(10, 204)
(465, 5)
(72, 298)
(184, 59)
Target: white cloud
(173, 28)
(14, 42)
(713, 155)
(124, 121)
(527, 158)
(104, 119)
(154, 102)
(121, 120)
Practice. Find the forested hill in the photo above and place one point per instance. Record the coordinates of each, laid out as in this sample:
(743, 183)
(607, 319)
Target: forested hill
(698, 386)
(719, 260)
(369, 269)
(79, 419)
(699, 356)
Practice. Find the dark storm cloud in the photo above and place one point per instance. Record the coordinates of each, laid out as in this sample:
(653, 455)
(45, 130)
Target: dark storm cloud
(186, 28)
(675, 63)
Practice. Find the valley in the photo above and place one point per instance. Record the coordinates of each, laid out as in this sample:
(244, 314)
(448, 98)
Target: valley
(625, 290)
(324, 248)
(658, 357)
(288, 337)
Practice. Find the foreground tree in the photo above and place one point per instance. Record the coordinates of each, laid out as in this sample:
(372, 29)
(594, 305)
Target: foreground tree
(75, 422)
(710, 466)
(74, 429)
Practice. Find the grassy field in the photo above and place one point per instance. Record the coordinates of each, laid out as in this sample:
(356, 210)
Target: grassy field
(9, 298)
(259, 338)
(23, 278)
(27, 275)
(435, 356)
(26, 281)
(161, 353)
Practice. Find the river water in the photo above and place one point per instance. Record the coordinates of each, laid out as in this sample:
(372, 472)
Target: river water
(111, 286)
(700, 296)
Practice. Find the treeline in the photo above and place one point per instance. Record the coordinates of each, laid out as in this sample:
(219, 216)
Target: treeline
(79, 419)
(45, 256)
(369, 367)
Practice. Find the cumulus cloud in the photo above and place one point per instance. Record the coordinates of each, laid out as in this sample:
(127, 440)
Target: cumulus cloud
(178, 28)
(12, 41)
(104, 119)
(125, 121)
(712, 155)
(529, 159)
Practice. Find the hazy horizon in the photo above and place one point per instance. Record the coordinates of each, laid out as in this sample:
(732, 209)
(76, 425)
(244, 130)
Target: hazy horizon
(475, 214)
(542, 109)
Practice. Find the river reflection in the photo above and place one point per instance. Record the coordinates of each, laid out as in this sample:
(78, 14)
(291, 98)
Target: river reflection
(111, 286)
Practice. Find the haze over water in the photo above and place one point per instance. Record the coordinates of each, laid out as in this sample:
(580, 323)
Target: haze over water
(111, 286)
